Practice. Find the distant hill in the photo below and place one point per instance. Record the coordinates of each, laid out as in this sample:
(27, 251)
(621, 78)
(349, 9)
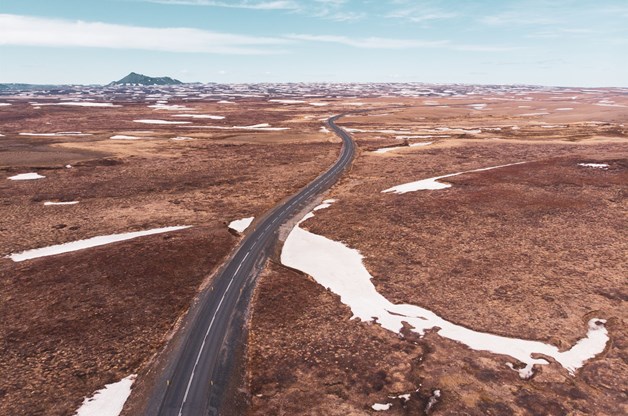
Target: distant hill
(24, 87)
(139, 79)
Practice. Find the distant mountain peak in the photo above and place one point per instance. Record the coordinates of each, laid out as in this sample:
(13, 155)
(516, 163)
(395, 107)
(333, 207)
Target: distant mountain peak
(139, 79)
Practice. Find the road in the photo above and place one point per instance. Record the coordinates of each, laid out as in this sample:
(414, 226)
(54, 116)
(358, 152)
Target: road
(195, 383)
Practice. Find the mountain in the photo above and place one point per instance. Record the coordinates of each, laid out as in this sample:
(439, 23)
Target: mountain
(139, 79)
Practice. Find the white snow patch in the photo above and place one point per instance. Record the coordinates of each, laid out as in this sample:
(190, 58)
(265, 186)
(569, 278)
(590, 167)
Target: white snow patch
(61, 133)
(594, 165)
(241, 225)
(49, 203)
(433, 400)
(181, 138)
(341, 270)
(319, 104)
(380, 407)
(26, 176)
(88, 243)
(390, 149)
(608, 103)
(208, 116)
(564, 109)
(423, 136)
(287, 101)
(125, 137)
(533, 114)
(225, 102)
(324, 130)
(161, 122)
(109, 400)
(433, 184)
(5, 104)
(169, 107)
(79, 104)
(257, 127)
(477, 106)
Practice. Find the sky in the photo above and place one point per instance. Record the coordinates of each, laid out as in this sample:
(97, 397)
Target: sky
(542, 42)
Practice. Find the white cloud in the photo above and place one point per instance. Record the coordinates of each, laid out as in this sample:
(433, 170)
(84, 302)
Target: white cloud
(517, 18)
(255, 5)
(36, 31)
(325, 9)
(392, 43)
(420, 14)
(370, 42)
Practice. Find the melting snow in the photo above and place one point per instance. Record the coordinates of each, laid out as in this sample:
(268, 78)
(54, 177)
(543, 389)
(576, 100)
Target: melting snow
(259, 127)
(423, 136)
(379, 407)
(287, 101)
(5, 104)
(125, 137)
(26, 176)
(200, 116)
(161, 122)
(88, 243)
(108, 401)
(169, 107)
(48, 203)
(594, 165)
(478, 106)
(241, 225)
(80, 104)
(61, 133)
(433, 184)
(341, 270)
(390, 149)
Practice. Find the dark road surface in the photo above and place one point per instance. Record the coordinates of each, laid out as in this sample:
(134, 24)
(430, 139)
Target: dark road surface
(195, 383)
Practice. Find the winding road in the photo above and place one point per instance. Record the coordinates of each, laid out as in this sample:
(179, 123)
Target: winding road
(196, 381)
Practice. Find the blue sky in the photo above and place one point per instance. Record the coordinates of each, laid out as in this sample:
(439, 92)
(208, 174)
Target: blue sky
(547, 42)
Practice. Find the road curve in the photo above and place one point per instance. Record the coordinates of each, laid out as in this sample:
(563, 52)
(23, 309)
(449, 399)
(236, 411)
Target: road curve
(199, 374)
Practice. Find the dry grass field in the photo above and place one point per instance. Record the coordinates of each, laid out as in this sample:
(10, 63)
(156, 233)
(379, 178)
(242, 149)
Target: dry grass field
(530, 251)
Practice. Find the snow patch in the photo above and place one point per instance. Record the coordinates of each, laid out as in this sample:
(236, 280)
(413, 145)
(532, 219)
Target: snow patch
(340, 269)
(88, 243)
(49, 203)
(287, 101)
(241, 225)
(26, 176)
(162, 122)
(594, 165)
(169, 107)
(109, 400)
(79, 104)
(390, 149)
(380, 407)
(208, 116)
(61, 133)
(433, 184)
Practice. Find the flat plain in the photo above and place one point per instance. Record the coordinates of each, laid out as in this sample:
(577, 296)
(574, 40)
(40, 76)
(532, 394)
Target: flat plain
(530, 251)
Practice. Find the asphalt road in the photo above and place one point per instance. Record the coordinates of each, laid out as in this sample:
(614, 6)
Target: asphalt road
(196, 382)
